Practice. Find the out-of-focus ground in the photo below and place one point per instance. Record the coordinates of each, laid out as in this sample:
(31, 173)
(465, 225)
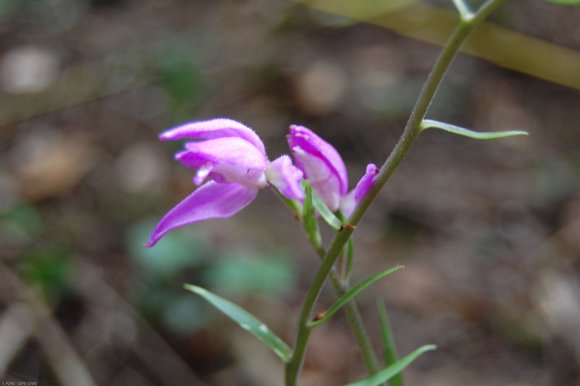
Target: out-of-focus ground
(489, 232)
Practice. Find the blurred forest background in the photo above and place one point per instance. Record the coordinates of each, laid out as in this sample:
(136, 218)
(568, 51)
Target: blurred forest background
(489, 231)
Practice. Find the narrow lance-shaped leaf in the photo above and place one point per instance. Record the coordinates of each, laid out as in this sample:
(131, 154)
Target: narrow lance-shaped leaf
(326, 214)
(389, 349)
(429, 123)
(309, 217)
(387, 373)
(350, 294)
(245, 320)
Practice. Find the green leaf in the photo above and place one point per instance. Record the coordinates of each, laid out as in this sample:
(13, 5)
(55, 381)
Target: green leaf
(245, 320)
(428, 123)
(326, 214)
(565, 2)
(348, 296)
(387, 373)
(389, 349)
(309, 217)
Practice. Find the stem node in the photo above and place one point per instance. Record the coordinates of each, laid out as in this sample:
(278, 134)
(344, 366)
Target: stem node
(348, 227)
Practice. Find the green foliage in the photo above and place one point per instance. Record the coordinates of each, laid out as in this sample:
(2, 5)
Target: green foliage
(389, 372)
(351, 293)
(243, 272)
(245, 320)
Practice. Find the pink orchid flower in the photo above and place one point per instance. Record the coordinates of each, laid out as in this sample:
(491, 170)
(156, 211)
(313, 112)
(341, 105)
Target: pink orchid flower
(232, 166)
(324, 168)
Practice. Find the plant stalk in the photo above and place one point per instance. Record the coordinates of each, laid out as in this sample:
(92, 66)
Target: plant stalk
(401, 149)
(355, 322)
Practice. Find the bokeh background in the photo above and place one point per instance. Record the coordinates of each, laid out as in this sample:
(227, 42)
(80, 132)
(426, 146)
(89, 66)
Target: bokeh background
(489, 232)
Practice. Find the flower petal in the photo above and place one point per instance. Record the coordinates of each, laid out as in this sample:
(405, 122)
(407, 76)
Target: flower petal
(366, 182)
(322, 179)
(211, 200)
(214, 128)
(229, 159)
(314, 146)
(350, 201)
(285, 177)
(347, 204)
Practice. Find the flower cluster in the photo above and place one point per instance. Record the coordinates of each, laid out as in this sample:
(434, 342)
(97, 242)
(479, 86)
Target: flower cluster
(232, 166)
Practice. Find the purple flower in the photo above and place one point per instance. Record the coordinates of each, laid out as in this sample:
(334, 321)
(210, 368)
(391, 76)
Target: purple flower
(366, 182)
(232, 166)
(325, 169)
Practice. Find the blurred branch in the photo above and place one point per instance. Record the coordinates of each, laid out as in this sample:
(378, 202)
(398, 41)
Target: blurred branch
(29, 316)
(123, 71)
(491, 42)
(172, 369)
(79, 84)
(16, 327)
(53, 340)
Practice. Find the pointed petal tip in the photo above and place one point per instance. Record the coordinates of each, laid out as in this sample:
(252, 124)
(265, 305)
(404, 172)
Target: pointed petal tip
(366, 182)
(210, 201)
(150, 244)
(299, 130)
(372, 169)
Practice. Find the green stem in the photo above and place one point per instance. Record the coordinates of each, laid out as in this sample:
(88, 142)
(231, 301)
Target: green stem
(410, 133)
(413, 126)
(340, 282)
(294, 366)
(357, 326)
(354, 320)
